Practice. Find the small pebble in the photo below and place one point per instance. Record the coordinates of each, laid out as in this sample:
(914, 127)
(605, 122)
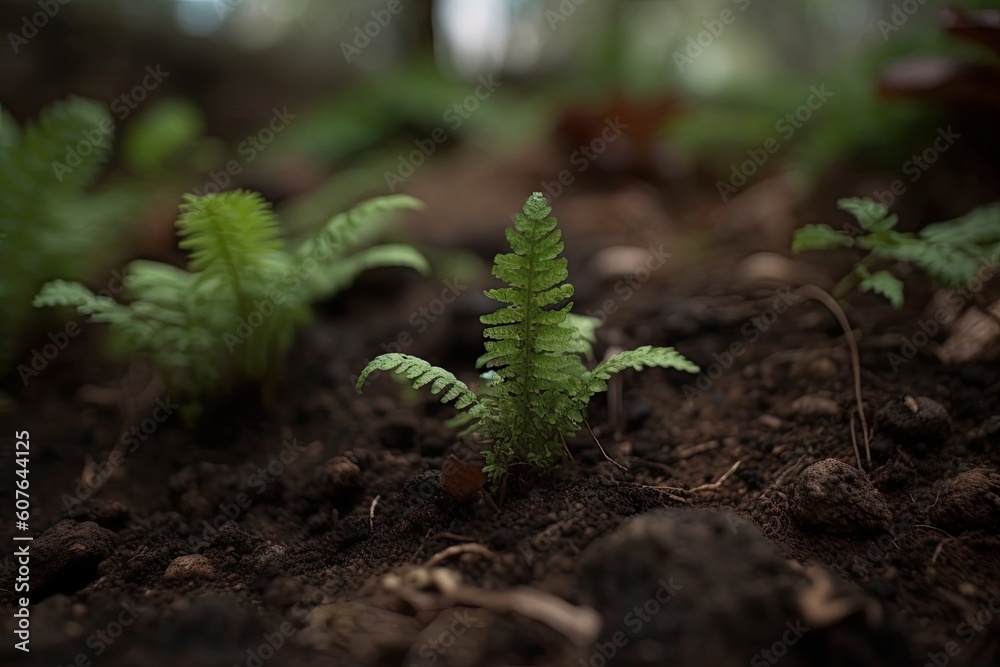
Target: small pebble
(193, 567)
(65, 557)
(815, 368)
(915, 419)
(339, 476)
(969, 501)
(812, 405)
(833, 496)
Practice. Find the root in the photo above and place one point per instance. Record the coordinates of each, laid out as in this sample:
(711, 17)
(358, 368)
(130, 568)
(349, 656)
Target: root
(714, 486)
(819, 294)
(606, 457)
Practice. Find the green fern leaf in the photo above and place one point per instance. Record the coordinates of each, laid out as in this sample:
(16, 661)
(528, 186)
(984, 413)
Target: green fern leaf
(819, 237)
(51, 225)
(232, 237)
(975, 230)
(337, 275)
(62, 293)
(420, 373)
(637, 359)
(347, 231)
(884, 283)
(872, 216)
(536, 389)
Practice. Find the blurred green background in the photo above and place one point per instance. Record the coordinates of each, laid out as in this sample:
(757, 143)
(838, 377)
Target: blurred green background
(319, 104)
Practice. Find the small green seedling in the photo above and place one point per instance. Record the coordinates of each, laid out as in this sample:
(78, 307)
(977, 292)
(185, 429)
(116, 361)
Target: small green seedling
(58, 217)
(234, 311)
(537, 389)
(950, 252)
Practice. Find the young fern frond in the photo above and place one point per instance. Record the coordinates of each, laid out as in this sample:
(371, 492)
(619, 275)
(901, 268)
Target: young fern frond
(530, 344)
(232, 238)
(347, 231)
(339, 275)
(645, 356)
(234, 311)
(420, 373)
(340, 241)
(535, 393)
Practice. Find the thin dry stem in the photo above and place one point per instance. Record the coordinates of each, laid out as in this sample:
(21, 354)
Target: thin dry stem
(819, 294)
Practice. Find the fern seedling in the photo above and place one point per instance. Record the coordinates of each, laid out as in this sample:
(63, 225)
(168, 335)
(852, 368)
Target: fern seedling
(950, 252)
(233, 312)
(536, 388)
(57, 218)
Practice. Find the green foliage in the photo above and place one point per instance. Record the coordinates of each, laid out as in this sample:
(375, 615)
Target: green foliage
(421, 373)
(949, 252)
(235, 310)
(537, 387)
(52, 221)
(881, 282)
(169, 135)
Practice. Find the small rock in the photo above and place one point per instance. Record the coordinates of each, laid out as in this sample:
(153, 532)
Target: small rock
(812, 405)
(65, 557)
(833, 496)
(268, 556)
(193, 567)
(613, 262)
(769, 421)
(969, 501)
(819, 368)
(339, 476)
(105, 513)
(921, 419)
(675, 569)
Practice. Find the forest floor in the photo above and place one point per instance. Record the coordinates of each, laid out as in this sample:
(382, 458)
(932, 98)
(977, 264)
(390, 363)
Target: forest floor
(311, 527)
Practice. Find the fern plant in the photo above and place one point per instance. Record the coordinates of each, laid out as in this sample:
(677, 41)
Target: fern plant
(537, 387)
(233, 312)
(53, 222)
(949, 252)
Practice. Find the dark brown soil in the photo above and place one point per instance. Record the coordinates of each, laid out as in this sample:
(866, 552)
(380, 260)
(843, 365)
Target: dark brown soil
(312, 526)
